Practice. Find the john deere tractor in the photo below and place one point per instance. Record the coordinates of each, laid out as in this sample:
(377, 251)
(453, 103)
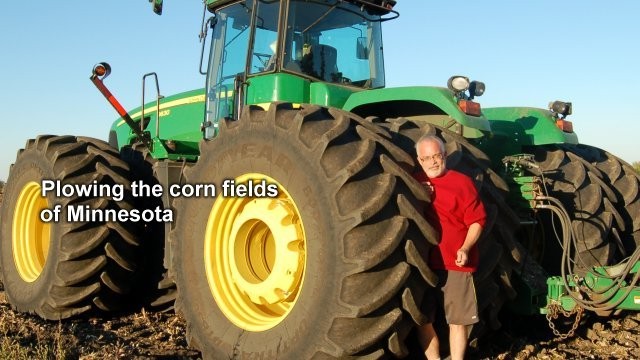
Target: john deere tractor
(311, 241)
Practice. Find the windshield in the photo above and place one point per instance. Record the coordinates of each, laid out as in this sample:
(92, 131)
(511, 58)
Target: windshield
(334, 42)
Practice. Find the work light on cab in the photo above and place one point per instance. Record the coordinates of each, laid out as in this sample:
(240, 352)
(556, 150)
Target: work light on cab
(157, 6)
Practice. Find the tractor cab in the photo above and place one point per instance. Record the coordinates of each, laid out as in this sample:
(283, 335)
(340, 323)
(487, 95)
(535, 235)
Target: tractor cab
(297, 51)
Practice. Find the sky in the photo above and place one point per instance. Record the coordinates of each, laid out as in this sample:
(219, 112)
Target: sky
(528, 53)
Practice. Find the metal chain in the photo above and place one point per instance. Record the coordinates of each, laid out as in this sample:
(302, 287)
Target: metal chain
(552, 313)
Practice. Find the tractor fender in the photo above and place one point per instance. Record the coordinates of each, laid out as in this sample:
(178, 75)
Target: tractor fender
(415, 101)
(527, 126)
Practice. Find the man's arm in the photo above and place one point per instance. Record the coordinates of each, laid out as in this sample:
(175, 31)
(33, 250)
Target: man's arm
(473, 234)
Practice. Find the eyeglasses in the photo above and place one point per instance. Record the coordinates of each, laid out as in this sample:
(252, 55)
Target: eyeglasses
(436, 157)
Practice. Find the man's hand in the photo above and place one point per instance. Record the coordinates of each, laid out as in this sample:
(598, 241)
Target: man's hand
(427, 184)
(473, 234)
(462, 257)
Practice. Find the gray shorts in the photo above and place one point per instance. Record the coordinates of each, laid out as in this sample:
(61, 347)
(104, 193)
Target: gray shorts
(456, 293)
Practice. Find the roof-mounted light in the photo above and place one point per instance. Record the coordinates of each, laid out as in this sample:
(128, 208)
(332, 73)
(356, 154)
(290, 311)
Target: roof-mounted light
(389, 4)
(157, 6)
(377, 7)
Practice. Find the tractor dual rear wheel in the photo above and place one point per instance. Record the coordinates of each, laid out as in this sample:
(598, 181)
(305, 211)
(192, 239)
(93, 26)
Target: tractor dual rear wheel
(62, 269)
(591, 203)
(322, 270)
(625, 183)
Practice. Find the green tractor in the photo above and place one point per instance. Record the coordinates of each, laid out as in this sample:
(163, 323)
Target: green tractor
(277, 210)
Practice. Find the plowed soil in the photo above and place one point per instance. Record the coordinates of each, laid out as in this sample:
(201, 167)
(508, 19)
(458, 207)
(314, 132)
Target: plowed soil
(161, 335)
(141, 335)
(615, 337)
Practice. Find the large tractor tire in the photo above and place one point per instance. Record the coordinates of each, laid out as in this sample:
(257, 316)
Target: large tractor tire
(154, 289)
(596, 223)
(500, 252)
(625, 183)
(62, 269)
(331, 267)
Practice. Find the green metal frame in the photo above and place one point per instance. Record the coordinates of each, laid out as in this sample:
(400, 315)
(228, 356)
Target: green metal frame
(595, 283)
(417, 101)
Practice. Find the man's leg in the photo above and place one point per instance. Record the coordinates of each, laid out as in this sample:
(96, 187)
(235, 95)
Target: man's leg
(457, 341)
(429, 341)
(461, 307)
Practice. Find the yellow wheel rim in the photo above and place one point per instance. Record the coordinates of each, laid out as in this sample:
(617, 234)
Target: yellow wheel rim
(254, 253)
(30, 236)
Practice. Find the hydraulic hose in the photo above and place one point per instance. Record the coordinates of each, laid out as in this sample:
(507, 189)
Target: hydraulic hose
(568, 239)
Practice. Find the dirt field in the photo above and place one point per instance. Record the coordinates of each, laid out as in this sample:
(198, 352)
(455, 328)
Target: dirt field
(596, 338)
(133, 336)
(162, 336)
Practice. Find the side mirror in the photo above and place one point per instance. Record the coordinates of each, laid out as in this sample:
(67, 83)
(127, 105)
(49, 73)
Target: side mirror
(362, 51)
(157, 6)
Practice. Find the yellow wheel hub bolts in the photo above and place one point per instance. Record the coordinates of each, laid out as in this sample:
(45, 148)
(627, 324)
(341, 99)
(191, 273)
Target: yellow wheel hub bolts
(267, 254)
(255, 256)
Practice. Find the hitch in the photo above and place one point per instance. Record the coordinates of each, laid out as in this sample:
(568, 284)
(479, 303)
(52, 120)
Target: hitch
(99, 73)
(602, 289)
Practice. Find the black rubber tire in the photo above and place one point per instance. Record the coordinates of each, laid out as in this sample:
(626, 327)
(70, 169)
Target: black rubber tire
(89, 265)
(154, 289)
(500, 252)
(363, 230)
(589, 201)
(625, 183)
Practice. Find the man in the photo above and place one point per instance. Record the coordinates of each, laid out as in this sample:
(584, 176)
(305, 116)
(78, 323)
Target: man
(460, 216)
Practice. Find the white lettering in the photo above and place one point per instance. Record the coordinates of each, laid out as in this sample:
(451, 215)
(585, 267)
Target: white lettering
(250, 189)
(93, 189)
(84, 213)
(189, 190)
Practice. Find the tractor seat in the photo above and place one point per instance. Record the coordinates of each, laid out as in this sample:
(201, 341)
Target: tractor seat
(321, 63)
(325, 60)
